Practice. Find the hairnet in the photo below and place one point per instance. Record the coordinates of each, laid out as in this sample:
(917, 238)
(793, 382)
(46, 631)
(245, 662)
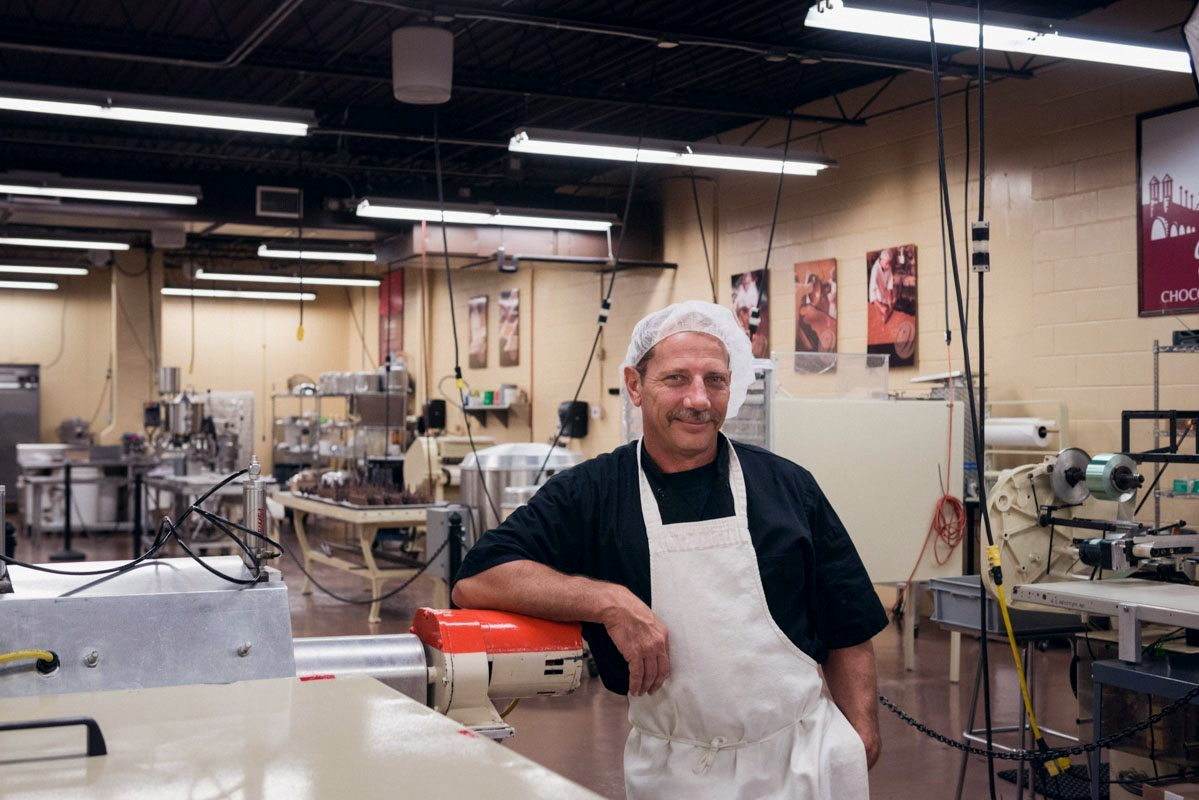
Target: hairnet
(699, 317)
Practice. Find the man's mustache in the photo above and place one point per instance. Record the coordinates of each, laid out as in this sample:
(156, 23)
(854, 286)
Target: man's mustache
(686, 415)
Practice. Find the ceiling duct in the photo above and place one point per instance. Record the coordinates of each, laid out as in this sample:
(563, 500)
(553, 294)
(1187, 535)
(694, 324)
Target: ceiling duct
(422, 64)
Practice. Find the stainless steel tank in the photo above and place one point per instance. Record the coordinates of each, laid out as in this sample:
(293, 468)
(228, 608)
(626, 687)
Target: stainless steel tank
(506, 465)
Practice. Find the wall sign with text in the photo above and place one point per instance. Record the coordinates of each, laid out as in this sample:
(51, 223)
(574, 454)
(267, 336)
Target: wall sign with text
(1168, 222)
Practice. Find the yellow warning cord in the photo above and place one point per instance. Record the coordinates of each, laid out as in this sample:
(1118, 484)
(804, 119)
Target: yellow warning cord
(1052, 766)
(27, 655)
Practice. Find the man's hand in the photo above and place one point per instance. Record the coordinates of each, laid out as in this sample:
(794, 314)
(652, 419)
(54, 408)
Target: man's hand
(527, 587)
(642, 640)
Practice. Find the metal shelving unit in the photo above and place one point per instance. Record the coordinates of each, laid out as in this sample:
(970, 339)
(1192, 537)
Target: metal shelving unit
(1159, 493)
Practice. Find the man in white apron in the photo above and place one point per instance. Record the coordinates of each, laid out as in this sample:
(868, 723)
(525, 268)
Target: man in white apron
(723, 702)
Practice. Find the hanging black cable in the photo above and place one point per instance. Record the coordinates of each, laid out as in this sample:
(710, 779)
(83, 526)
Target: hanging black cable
(699, 220)
(974, 418)
(449, 288)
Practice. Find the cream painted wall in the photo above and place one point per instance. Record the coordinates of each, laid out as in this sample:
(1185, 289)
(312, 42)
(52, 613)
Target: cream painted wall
(1061, 307)
(68, 333)
(77, 334)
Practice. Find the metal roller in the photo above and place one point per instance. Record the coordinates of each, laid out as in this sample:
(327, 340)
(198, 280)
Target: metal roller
(1069, 476)
(397, 660)
(1113, 476)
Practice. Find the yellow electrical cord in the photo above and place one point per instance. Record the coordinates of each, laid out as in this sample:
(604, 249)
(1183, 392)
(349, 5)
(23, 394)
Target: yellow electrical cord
(1052, 766)
(511, 707)
(24, 655)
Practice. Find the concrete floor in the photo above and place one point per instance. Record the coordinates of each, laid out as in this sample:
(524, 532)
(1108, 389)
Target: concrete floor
(582, 736)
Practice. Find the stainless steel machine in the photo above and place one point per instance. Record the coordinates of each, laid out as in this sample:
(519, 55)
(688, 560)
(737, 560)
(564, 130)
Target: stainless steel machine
(180, 622)
(487, 473)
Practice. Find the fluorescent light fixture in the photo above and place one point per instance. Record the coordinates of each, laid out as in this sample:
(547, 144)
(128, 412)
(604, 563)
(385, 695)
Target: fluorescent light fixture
(98, 104)
(73, 244)
(118, 191)
(307, 281)
(1004, 33)
(474, 215)
(38, 269)
(658, 151)
(44, 286)
(237, 294)
(289, 251)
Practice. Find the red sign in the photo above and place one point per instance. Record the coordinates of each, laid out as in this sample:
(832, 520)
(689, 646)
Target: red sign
(1168, 222)
(391, 315)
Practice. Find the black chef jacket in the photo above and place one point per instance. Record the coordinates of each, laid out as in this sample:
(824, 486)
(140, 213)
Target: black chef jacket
(587, 521)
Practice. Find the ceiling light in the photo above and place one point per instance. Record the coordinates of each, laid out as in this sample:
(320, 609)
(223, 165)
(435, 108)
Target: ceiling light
(39, 269)
(313, 281)
(474, 215)
(658, 151)
(237, 294)
(1004, 33)
(44, 286)
(74, 244)
(288, 251)
(123, 107)
(119, 191)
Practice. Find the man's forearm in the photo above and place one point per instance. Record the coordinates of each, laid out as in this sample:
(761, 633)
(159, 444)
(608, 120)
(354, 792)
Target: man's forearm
(853, 683)
(527, 587)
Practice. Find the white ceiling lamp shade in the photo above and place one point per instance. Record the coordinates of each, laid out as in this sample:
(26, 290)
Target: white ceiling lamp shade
(604, 147)
(412, 211)
(70, 244)
(291, 251)
(41, 286)
(422, 65)
(1190, 35)
(115, 191)
(238, 294)
(958, 27)
(154, 110)
(289, 279)
(40, 269)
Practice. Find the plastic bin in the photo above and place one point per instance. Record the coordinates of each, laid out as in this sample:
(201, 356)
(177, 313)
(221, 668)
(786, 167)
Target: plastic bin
(955, 605)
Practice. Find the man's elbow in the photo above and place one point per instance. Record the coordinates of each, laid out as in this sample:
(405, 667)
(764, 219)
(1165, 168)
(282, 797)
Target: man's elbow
(461, 595)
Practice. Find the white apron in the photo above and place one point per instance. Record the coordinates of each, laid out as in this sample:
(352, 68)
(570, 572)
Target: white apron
(744, 713)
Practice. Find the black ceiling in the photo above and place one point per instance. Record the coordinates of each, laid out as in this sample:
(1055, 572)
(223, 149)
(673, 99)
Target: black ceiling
(590, 66)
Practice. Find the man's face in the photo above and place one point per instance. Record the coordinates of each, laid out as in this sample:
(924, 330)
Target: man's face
(683, 397)
(885, 258)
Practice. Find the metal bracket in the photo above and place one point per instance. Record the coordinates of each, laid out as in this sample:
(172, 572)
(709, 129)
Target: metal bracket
(1130, 633)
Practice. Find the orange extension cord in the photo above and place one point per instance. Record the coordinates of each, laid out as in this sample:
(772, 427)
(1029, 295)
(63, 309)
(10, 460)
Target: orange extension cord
(949, 517)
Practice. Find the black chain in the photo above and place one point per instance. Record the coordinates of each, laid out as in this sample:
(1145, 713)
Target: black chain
(1042, 755)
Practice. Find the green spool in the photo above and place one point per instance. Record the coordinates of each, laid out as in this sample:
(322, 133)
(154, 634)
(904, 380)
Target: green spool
(1100, 475)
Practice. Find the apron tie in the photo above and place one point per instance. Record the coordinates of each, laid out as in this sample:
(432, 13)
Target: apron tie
(710, 750)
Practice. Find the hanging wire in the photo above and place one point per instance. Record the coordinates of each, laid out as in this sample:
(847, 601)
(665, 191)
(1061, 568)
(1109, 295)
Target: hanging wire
(699, 220)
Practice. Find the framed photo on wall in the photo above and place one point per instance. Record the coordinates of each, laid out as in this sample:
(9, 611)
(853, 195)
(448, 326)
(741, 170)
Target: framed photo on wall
(478, 332)
(751, 291)
(1168, 202)
(816, 306)
(391, 315)
(510, 328)
(891, 303)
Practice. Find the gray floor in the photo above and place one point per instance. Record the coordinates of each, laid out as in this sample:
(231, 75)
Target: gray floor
(582, 736)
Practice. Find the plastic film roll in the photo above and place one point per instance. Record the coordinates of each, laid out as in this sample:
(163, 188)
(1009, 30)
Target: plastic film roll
(1027, 434)
(1104, 473)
